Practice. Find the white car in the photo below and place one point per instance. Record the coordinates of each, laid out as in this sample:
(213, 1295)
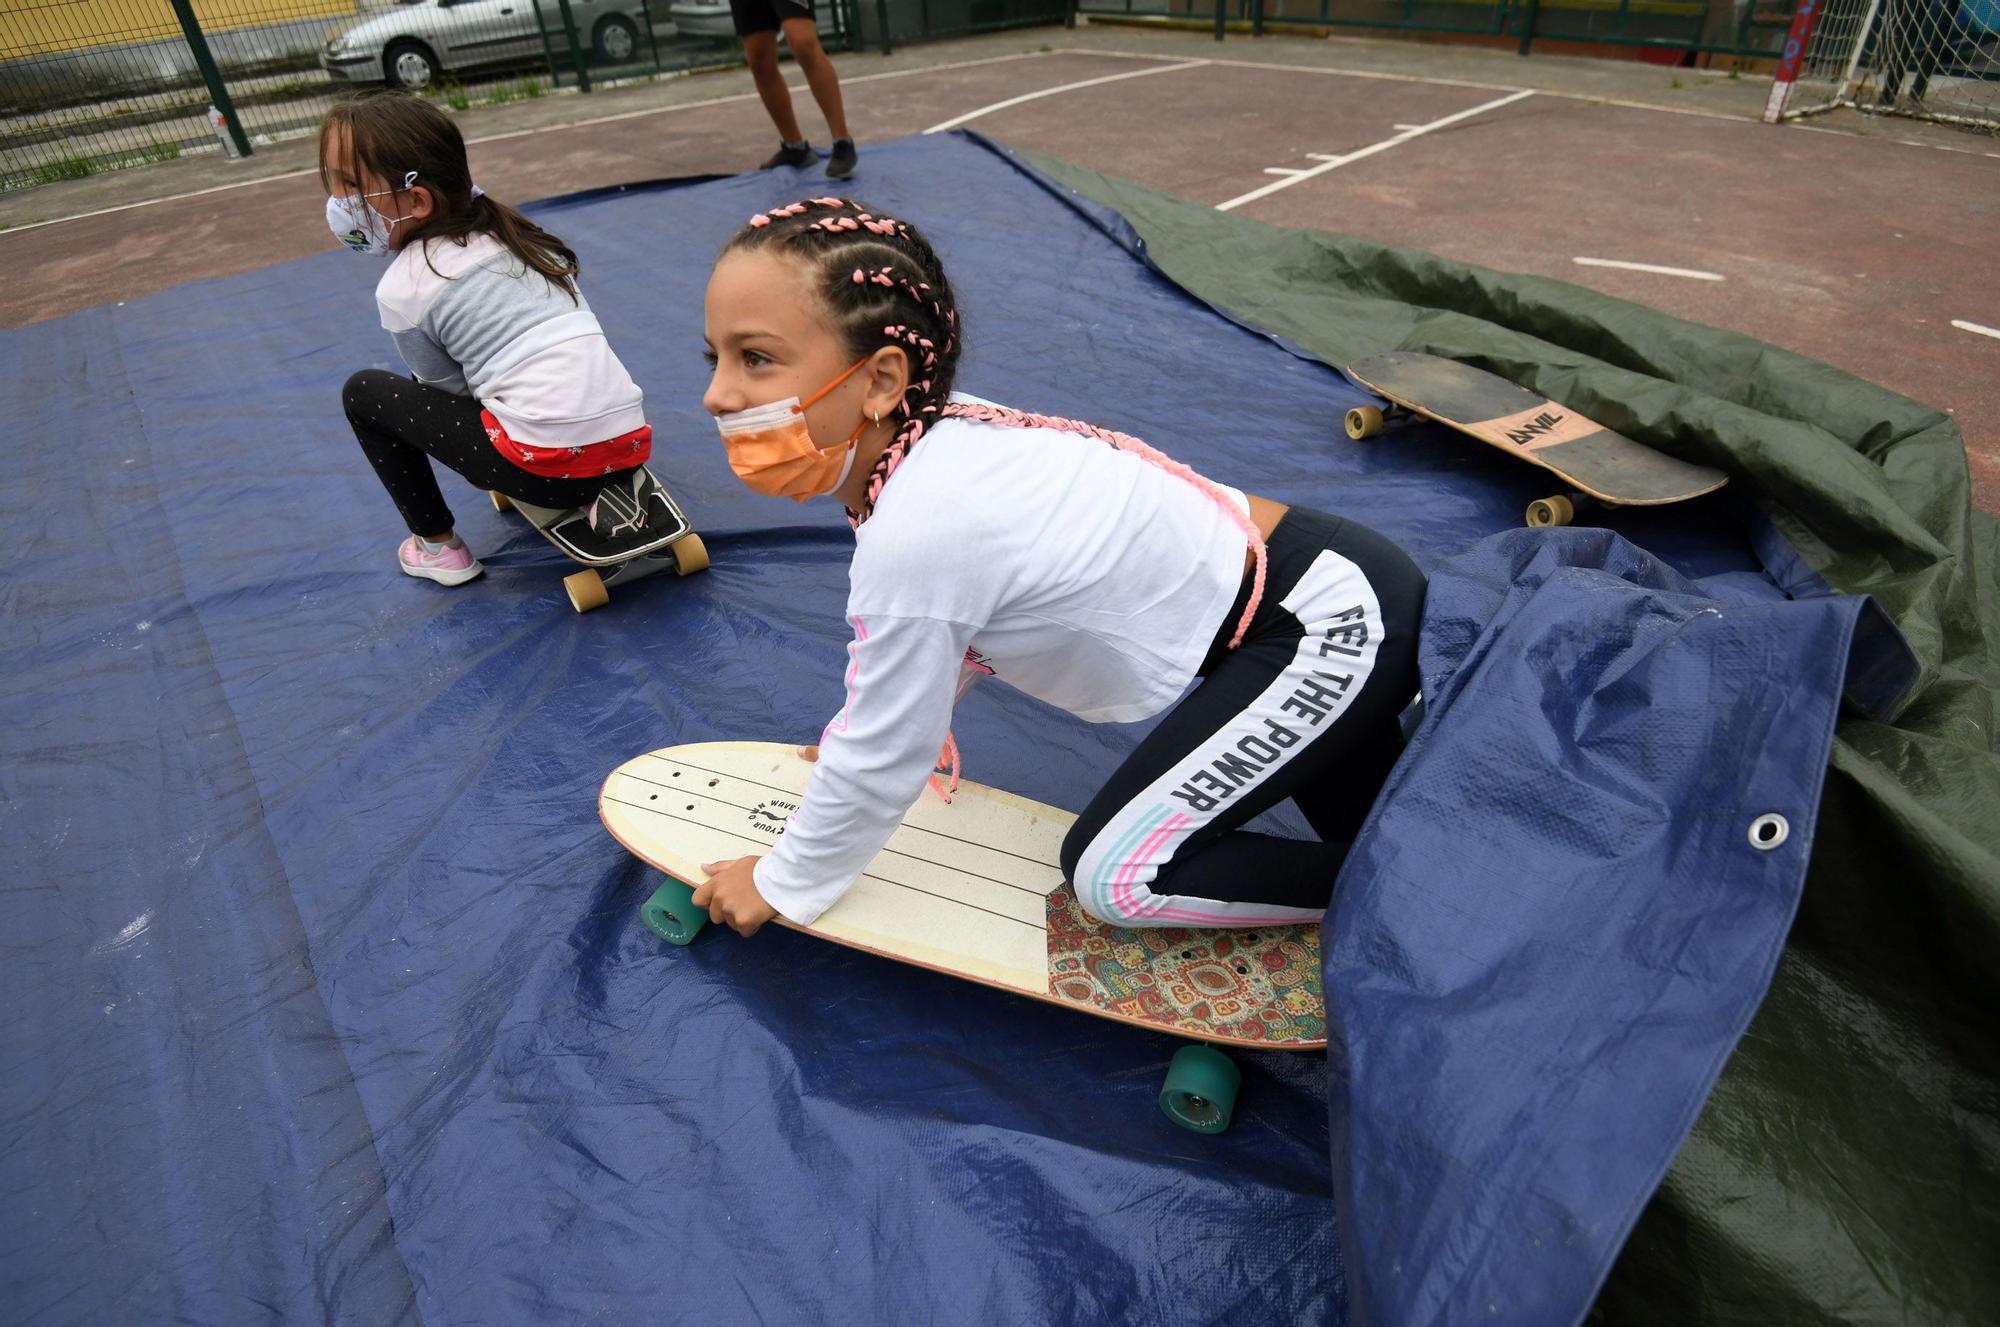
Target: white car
(418, 40)
(711, 18)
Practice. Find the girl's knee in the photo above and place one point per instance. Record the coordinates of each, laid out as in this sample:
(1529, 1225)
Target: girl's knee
(361, 387)
(1087, 865)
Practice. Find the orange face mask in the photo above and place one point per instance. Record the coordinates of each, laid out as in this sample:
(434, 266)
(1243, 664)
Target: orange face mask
(773, 453)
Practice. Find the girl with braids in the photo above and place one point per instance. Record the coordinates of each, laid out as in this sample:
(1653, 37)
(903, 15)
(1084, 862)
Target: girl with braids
(513, 385)
(1073, 562)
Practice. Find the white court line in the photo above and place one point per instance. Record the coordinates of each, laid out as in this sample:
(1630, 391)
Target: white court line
(1305, 69)
(1587, 98)
(969, 116)
(1688, 272)
(1334, 72)
(1993, 332)
(523, 133)
(1335, 163)
(752, 96)
(1281, 170)
(150, 202)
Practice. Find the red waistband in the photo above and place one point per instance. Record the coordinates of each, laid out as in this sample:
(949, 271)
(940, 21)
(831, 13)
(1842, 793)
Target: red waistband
(551, 462)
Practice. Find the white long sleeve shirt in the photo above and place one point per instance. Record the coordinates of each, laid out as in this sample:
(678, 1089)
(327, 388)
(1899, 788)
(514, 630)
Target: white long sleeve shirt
(1081, 574)
(475, 320)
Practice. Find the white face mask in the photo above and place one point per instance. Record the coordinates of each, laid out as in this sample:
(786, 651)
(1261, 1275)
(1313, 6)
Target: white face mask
(356, 224)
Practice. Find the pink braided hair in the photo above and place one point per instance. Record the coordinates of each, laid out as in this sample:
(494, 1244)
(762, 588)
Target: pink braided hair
(844, 217)
(847, 232)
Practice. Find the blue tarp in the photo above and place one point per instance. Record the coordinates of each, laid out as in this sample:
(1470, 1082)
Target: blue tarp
(325, 993)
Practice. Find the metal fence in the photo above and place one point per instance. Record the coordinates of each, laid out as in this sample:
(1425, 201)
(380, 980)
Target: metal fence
(1673, 28)
(95, 85)
(886, 23)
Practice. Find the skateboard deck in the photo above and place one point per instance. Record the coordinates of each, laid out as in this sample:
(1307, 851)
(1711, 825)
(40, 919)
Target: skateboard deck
(972, 888)
(640, 530)
(1600, 463)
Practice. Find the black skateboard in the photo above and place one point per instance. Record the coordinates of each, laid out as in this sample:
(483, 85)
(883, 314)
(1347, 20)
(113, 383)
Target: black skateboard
(639, 530)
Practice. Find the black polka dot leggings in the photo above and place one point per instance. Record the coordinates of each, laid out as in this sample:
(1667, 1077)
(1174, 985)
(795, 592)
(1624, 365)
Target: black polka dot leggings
(403, 425)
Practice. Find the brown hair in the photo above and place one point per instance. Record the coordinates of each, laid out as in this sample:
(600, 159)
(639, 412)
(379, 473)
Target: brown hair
(884, 285)
(392, 134)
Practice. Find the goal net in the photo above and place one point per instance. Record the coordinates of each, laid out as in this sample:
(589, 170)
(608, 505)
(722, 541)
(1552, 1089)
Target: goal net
(1939, 59)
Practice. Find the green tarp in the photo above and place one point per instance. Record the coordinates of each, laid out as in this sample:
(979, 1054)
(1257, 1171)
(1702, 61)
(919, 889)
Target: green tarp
(1847, 1166)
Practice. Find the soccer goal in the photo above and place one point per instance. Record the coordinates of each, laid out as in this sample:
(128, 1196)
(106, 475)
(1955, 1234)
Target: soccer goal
(1938, 59)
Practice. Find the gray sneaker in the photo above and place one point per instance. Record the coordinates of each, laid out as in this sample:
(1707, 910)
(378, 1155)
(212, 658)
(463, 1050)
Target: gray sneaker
(841, 164)
(787, 155)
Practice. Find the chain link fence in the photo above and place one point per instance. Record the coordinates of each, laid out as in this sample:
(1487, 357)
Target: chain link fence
(95, 85)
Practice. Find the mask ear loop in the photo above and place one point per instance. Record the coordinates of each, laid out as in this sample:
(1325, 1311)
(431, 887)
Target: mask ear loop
(800, 408)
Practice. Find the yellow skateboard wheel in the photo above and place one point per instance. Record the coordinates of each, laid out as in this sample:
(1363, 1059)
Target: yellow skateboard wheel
(586, 591)
(1551, 511)
(1364, 421)
(690, 554)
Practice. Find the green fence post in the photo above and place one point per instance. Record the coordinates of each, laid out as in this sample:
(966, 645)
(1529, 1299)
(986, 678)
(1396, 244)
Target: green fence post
(1218, 20)
(882, 21)
(548, 51)
(219, 94)
(575, 47)
(1069, 15)
(652, 42)
(1256, 18)
(1528, 26)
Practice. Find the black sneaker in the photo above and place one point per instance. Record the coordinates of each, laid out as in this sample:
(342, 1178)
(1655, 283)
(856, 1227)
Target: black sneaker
(841, 164)
(788, 155)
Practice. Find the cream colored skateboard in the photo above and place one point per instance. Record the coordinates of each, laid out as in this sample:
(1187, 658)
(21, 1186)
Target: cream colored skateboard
(973, 889)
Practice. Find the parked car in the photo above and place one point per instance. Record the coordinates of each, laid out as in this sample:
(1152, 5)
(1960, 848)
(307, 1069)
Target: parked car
(418, 40)
(710, 18)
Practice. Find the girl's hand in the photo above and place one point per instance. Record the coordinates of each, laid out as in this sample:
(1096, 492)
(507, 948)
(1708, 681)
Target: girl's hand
(731, 897)
(809, 754)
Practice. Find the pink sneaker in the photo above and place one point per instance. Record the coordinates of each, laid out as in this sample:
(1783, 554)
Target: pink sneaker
(446, 566)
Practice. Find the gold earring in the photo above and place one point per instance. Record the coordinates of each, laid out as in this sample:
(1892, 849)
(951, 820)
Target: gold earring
(878, 416)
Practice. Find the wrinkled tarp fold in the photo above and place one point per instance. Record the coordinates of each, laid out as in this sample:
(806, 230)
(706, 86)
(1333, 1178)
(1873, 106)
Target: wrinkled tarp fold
(1847, 1166)
(1561, 914)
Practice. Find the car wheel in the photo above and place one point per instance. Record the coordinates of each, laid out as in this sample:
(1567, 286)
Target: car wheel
(408, 65)
(617, 39)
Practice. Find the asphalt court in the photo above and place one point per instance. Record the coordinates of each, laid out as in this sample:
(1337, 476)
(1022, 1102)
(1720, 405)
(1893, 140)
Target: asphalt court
(1815, 242)
(1870, 253)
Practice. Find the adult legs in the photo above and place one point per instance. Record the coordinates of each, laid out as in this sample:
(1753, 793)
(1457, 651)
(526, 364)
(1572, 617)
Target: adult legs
(760, 49)
(802, 35)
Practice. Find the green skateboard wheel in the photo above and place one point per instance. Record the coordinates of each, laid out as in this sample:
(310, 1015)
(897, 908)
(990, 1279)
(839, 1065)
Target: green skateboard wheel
(1200, 1090)
(672, 915)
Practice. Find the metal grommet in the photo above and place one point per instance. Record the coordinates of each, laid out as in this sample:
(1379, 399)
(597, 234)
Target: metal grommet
(1769, 830)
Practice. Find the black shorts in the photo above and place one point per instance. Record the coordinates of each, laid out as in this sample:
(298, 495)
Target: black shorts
(754, 16)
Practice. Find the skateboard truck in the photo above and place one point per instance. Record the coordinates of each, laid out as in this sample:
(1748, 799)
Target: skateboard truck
(646, 532)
